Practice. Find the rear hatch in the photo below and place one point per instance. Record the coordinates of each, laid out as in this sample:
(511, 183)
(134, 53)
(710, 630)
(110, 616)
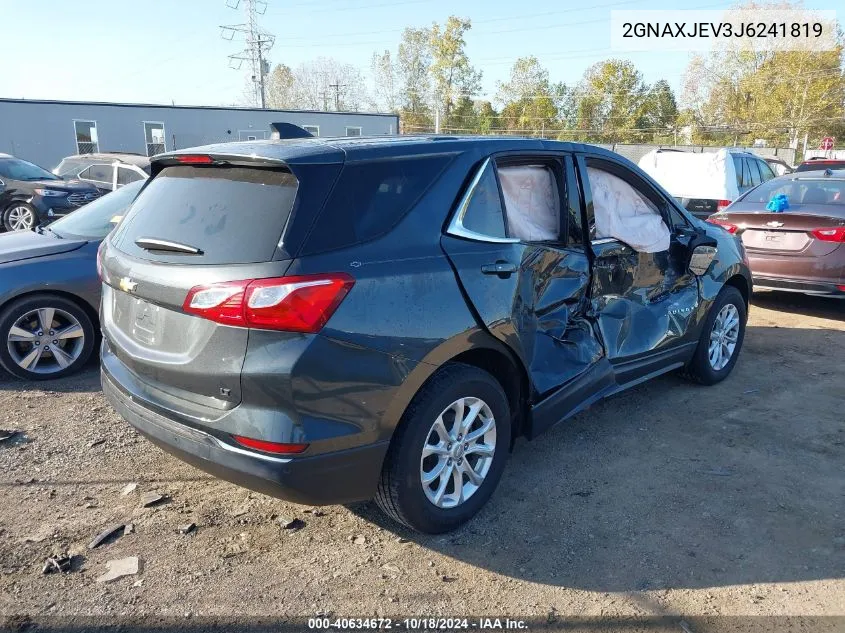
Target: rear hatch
(192, 225)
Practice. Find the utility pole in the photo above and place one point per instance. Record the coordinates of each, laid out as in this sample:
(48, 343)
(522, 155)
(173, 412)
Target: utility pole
(258, 42)
(336, 87)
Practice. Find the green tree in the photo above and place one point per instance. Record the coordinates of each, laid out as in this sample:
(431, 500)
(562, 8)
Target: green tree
(612, 103)
(487, 118)
(739, 95)
(452, 74)
(527, 98)
(413, 62)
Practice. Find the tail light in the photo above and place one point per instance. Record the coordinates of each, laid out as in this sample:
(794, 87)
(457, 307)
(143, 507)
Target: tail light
(730, 228)
(194, 159)
(270, 447)
(293, 304)
(721, 205)
(836, 234)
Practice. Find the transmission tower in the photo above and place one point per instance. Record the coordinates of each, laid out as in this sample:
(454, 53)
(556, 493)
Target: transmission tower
(258, 43)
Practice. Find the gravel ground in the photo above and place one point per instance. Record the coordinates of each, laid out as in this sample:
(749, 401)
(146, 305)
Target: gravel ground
(670, 499)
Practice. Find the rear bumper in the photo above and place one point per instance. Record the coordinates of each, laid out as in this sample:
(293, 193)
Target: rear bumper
(338, 477)
(798, 285)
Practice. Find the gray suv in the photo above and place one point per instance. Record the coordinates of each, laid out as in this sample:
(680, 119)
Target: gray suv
(332, 320)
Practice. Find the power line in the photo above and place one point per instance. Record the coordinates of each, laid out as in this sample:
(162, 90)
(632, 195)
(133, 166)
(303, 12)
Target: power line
(258, 42)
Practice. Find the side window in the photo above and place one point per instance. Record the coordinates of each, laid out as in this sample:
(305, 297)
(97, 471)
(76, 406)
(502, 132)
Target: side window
(532, 202)
(738, 169)
(98, 173)
(483, 214)
(125, 176)
(754, 171)
(624, 211)
(766, 172)
(370, 197)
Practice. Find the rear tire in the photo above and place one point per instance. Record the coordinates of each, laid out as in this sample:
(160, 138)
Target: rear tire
(73, 335)
(709, 365)
(402, 493)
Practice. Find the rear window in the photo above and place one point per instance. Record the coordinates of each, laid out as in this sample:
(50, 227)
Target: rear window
(370, 198)
(232, 214)
(822, 191)
(812, 165)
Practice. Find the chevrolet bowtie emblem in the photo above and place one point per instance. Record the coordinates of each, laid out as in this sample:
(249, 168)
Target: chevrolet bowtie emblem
(127, 285)
(774, 225)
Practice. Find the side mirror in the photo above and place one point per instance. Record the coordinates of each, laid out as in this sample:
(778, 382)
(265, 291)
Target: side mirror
(701, 258)
(702, 251)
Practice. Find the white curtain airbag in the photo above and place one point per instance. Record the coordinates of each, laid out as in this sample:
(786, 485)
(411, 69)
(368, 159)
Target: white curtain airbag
(622, 213)
(531, 202)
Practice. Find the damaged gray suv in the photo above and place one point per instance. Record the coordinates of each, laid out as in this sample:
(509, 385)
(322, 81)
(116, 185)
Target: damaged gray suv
(335, 320)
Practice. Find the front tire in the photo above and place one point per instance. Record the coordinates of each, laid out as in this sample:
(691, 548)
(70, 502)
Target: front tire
(448, 452)
(20, 216)
(721, 339)
(45, 336)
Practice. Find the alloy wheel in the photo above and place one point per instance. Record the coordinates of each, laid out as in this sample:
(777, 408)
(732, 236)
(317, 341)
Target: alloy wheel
(723, 337)
(21, 219)
(458, 452)
(45, 340)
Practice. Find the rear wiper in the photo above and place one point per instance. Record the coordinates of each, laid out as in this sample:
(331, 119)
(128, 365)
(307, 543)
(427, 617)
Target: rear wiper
(153, 244)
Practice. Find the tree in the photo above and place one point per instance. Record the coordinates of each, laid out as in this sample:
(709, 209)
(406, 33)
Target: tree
(451, 71)
(527, 98)
(487, 119)
(661, 106)
(310, 86)
(413, 65)
(386, 82)
(611, 103)
(781, 96)
(280, 88)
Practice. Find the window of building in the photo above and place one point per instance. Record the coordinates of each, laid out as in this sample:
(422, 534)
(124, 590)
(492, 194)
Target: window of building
(353, 130)
(86, 137)
(154, 137)
(312, 129)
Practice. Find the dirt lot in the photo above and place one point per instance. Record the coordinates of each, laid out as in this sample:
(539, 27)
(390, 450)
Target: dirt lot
(668, 499)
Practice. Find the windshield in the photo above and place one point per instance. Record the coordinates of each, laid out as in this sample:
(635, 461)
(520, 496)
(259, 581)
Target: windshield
(17, 169)
(94, 220)
(800, 191)
(71, 167)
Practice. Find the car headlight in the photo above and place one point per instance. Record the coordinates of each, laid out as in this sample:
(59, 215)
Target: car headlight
(50, 193)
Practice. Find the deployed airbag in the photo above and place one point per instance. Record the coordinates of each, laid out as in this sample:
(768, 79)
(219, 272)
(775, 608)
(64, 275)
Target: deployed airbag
(622, 213)
(532, 204)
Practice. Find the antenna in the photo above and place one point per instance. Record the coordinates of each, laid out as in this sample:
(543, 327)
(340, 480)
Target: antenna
(258, 42)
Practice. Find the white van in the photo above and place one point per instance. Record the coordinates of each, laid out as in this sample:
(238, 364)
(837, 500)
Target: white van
(706, 183)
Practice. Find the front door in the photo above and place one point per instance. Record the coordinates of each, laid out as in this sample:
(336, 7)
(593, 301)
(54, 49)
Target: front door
(517, 244)
(644, 300)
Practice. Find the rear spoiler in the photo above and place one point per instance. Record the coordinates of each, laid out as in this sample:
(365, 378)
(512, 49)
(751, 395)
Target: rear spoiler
(288, 130)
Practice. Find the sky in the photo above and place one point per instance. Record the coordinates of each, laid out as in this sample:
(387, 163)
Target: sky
(171, 51)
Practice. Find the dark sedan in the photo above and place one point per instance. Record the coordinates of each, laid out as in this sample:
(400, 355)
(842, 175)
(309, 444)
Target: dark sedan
(30, 195)
(49, 290)
(793, 228)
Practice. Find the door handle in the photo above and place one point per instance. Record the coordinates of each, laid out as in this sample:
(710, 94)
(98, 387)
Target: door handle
(501, 267)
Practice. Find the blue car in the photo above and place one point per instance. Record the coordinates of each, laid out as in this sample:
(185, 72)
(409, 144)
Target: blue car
(49, 290)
